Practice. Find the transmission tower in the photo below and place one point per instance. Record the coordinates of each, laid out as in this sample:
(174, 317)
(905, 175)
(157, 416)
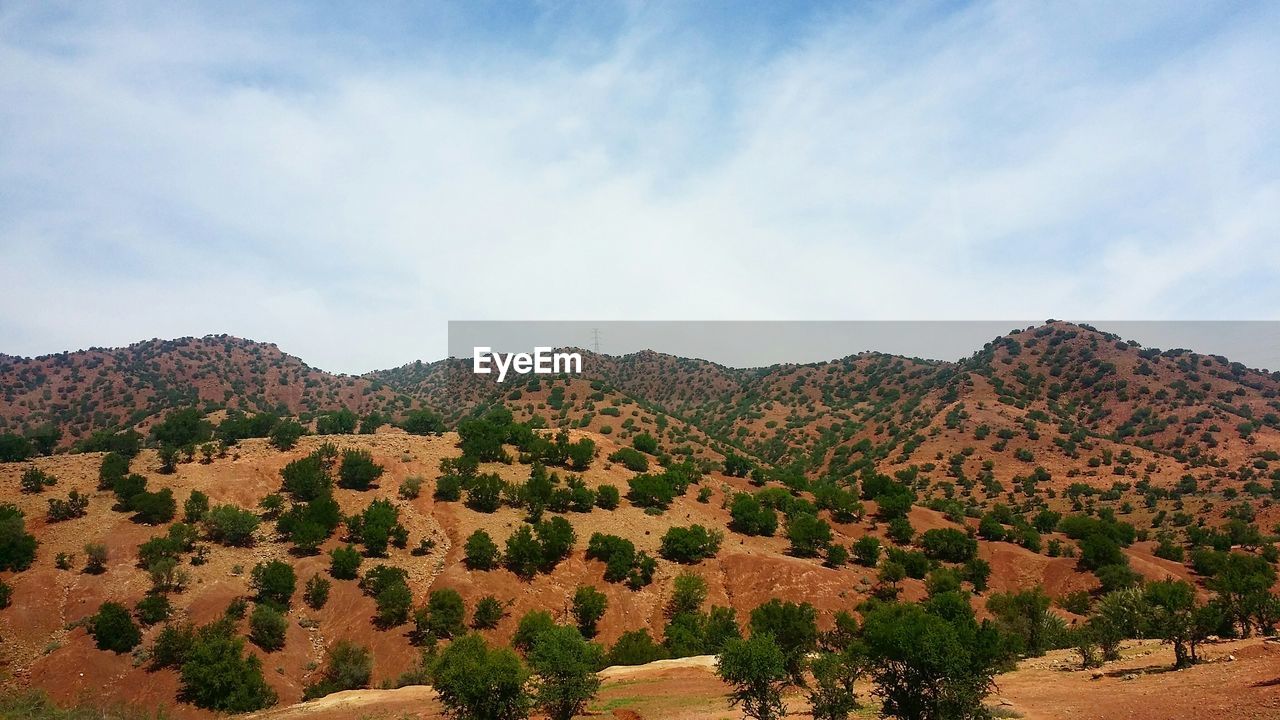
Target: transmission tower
(595, 340)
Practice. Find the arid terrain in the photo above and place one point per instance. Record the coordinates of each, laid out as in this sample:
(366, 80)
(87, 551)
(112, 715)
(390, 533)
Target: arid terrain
(1053, 419)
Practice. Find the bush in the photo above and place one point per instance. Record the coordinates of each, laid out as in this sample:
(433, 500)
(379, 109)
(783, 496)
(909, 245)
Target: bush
(344, 562)
(866, 550)
(589, 605)
(607, 497)
(488, 613)
(95, 558)
(17, 546)
(75, 506)
(756, 670)
(631, 459)
(411, 488)
(358, 470)
(316, 593)
(267, 628)
(645, 443)
(651, 491)
(285, 434)
(635, 648)
(948, 545)
(342, 422)
(35, 480)
(230, 525)
(153, 508)
(274, 582)
(195, 508)
(114, 466)
(423, 422)
(112, 628)
(485, 493)
(218, 675)
(473, 681)
(808, 535)
(900, 531)
(444, 615)
(690, 545)
(6, 594)
(389, 587)
(152, 609)
(566, 666)
(749, 517)
(481, 552)
(349, 667)
(306, 479)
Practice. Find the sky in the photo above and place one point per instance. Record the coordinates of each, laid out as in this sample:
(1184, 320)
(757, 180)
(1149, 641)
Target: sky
(343, 179)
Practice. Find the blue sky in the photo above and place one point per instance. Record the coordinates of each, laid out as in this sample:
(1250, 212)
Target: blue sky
(342, 179)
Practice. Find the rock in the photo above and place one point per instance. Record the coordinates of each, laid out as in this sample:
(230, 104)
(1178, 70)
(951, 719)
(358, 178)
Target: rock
(1129, 676)
(1097, 675)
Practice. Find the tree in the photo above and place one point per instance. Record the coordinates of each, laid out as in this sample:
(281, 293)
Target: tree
(687, 595)
(358, 470)
(216, 674)
(793, 627)
(866, 550)
(195, 508)
(1023, 614)
(285, 434)
(113, 629)
(524, 553)
(607, 497)
(1173, 606)
(1241, 582)
(756, 668)
(631, 459)
(114, 466)
(423, 422)
(444, 614)
(95, 558)
(274, 582)
(834, 673)
(14, 448)
(589, 605)
(480, 551)
(17, 546)
(476, 683)
(182, 428)
(152, 609)
(153, 508)
(749, 517)
(344, 562)
(690, 544)
(635, 648)
(230, 525)
(267, 627)
(485, 493)
(809, 535)
(488, 613)
(925, 667)
(349, 667)
(565, 665)
(342, 422)
(948, 545)
(530, 627)
(316, 592)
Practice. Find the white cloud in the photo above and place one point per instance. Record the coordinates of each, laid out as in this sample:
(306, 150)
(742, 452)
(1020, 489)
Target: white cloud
(183, 174)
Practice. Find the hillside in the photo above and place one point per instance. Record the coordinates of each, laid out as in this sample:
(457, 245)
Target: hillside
(79, 392)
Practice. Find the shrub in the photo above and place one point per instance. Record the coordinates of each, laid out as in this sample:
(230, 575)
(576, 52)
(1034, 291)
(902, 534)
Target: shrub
(274, 582)
(342, 422)
(349, 667)
(152, 609)
(6, 594)
(267, 628)
(651, 491)
(900, 531)
(153, 508)
(475, 682)
(488, 613)
(95, 558)
(531, 626)
(17, 546)
(358, 470)
(690, 544)
(230, 525)
(948, 545)
(589, 605)
(114, 466)
(306, 479)
(481, 552)
(344, 562)
(645, 443)
(75, 506)
(218, 675)
(411, 488)
(808, 535)
(112, 628)
(749, 517)
(485, 493)
(195, 508)
(635, 648)
(607, 497)
(423, 422)
(316, 592)
(631, 459)
(565, 666)
(793, 626)
(35, 480)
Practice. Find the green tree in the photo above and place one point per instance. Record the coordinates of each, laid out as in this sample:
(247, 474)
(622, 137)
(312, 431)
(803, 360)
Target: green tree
(316, 592)
(349, 667)
(793, 627)
(17, 546)
(358, 470)
(113, 629)
(565, 666)
(477, 683)
(480, 551)
(216, 674)
(344, 562)
(809, 535)
(589, 605)
(267, 627)
(274, 583)
(756, 668)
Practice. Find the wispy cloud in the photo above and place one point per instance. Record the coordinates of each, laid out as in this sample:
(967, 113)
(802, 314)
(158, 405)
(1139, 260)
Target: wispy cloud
(342, 184)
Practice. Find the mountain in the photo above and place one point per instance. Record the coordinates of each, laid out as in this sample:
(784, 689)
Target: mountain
(100, 388)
